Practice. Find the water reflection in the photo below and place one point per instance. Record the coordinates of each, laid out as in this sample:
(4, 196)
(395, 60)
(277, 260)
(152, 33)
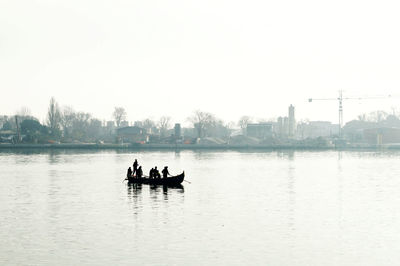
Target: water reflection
(286, 154)
(204, 155)
(135, 190)
(291, 193)
(54, 156)
(165, 189)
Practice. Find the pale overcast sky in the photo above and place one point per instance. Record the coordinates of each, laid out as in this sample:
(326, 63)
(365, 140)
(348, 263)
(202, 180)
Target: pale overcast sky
(230, 58)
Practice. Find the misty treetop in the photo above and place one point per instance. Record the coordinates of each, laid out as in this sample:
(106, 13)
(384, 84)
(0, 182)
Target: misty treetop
(119, 115)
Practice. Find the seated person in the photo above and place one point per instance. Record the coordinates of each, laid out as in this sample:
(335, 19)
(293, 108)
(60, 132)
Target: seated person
(151, 173)
(139, 172)
(156, 173)
(129, 173)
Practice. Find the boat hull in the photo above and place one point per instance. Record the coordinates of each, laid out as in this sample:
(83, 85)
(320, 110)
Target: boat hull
(169, 181)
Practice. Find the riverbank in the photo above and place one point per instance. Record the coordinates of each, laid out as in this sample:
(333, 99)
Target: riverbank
(193, 146)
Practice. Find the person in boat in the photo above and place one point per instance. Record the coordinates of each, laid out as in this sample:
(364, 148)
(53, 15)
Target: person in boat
(156, 173)
(139, 172)
(135, 165)
(151, 173)
(165, 172)
(129, 173)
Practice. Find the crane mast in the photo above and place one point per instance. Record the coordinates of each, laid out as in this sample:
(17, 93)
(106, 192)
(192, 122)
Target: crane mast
(340, 100)
(340, 113)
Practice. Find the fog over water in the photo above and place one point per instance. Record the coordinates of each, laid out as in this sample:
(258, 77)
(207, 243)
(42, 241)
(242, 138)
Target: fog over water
(241, 208)
(253, 58)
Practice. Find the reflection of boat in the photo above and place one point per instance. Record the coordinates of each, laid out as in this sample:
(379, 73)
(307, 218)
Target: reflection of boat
(168, 181)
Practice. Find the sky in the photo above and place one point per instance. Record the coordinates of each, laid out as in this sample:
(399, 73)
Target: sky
(230, 58)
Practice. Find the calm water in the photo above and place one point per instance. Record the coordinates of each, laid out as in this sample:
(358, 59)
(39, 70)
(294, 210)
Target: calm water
(241, 208)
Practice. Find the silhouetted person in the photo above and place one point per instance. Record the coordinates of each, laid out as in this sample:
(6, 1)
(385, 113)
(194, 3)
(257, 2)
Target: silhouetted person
(129, 173)
(135, 165)
(165, 172)
(139, 172)
(156, 173)
(151, 173)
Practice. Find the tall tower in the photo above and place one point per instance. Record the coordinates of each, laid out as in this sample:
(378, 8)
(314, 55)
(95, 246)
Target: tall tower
(286, 126)
(292, 121)
(280, 126)
(178, 130)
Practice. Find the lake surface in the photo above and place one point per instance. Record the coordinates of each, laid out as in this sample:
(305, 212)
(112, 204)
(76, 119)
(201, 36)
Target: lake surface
(241, 208)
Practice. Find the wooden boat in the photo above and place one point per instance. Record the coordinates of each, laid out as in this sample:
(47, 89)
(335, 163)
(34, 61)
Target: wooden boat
(169, 181)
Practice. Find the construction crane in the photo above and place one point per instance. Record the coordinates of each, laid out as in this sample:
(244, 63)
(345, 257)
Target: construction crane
(340, 99)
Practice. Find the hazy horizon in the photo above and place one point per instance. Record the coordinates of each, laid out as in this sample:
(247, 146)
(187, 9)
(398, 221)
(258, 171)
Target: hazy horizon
(229, 58)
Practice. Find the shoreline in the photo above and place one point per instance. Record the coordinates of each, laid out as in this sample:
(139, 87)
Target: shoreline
(194, 147)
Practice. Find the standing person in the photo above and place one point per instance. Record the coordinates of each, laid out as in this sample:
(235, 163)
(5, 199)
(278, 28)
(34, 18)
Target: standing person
(135, 165)
(165, 172)
(139, 172)
(151, 173)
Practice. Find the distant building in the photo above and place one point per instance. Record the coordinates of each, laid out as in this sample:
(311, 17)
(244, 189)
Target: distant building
(110, 124)
(138, 124)
(8, 136)
(153, 130)
(260, 131)
(279, 127)
(383, 135)
(315, 129)
(132, 135)
(110, 127)
(285, 127)
(291, 122)
(124, 124)
(3, 119)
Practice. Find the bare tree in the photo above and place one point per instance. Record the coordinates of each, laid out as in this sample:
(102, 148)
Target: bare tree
(24, 112)
(148, 124)
(218, 128)
(267, 120)
(395, 111)
(53, 116)
(243, 122)
(201, 121)
(230, 126)
(94, 129)
(164, 124)
(80, 125)
(119, 115)
(362, 117)
(67, 118)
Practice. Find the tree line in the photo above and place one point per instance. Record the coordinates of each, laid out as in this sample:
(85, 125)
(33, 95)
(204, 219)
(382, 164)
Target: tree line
(67, 125)
(64, 124)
